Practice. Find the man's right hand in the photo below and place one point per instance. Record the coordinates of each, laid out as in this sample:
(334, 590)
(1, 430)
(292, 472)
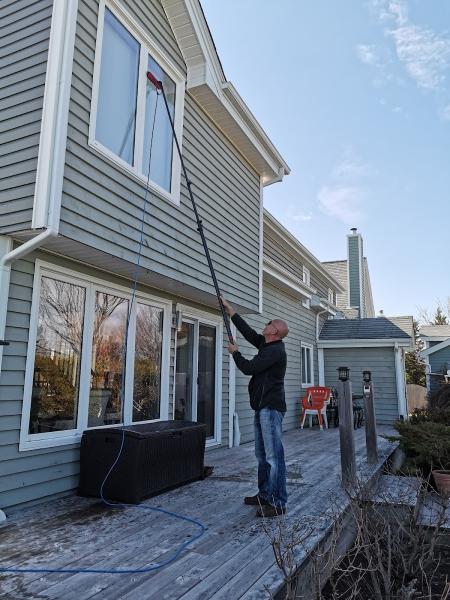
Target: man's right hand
(227, 306)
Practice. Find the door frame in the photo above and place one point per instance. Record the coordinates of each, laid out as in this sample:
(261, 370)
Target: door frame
(198, 316)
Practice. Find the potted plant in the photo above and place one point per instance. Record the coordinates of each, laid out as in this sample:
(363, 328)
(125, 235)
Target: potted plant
(442, 480)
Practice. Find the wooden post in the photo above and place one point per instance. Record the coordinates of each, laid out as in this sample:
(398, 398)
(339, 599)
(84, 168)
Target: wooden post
(346, 439)
(371, 427)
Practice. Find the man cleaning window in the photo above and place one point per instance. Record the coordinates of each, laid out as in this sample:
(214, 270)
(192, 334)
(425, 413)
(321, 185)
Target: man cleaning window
(267, 399)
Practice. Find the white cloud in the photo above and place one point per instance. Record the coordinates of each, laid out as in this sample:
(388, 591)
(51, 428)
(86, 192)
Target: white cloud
(343, 202)
(367, 55)
(344, 194)
(424, 53)
(445, 113)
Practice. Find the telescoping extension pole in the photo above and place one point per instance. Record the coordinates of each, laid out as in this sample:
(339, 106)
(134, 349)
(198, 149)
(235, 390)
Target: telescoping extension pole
(160, 88)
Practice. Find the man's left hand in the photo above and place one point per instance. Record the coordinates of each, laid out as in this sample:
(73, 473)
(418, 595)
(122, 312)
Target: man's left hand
(232, 348)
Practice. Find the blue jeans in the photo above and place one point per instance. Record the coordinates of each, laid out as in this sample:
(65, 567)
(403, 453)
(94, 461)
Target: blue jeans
(270, 455)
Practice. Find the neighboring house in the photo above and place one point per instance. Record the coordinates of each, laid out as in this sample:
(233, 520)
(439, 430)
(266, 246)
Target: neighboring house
(77, 113)
(436, 355)
(356, 300)
(376, 344)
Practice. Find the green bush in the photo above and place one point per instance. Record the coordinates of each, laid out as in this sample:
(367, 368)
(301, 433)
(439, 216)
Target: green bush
(430, 415)
(426, 443)
(440, 400)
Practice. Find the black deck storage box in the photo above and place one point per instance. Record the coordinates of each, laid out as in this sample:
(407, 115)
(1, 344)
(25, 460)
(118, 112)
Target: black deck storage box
(155, 457)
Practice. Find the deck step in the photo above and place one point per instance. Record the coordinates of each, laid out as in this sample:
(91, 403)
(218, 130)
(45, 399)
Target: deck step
(398, 491)
(435, 511)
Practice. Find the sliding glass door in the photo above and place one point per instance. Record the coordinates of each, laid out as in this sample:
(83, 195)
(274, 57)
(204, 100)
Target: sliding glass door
(197, 375)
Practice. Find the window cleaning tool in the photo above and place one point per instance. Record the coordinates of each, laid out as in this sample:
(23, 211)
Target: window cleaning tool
(160, 88)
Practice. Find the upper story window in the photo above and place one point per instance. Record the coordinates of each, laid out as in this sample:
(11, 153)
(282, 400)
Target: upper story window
(307, 366)
(125, 109)
(331, 296)
(306, 276)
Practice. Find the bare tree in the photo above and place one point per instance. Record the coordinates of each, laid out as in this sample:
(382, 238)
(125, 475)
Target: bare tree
(393, 556)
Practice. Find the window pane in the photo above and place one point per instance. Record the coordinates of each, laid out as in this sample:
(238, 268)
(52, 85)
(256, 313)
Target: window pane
(303, 366)
(206, 394)
(161, 159)
(184, 372)
(308, 364)
(117, 95)
(56, 379)
(147, 363)
(105, 405)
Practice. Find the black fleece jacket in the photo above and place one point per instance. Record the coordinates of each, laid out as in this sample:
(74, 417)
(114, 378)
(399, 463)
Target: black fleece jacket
(267, 368)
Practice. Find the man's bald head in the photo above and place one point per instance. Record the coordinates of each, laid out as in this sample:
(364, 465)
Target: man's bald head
(282, 327)
(277, 329)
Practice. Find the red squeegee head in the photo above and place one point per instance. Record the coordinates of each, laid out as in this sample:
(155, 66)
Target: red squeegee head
(153, 79)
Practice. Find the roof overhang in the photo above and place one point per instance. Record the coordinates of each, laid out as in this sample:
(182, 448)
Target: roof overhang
(207, 84)
(359, 343)
(435, 348)
(287, 240)
(320, 305)
(284, 280)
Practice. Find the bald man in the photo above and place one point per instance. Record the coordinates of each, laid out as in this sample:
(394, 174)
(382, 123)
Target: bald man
(266, 389)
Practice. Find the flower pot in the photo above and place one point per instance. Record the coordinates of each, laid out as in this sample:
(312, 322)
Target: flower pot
(442, 480)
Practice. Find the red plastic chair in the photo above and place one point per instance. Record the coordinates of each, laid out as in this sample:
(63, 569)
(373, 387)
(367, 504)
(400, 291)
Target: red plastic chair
(314, 403)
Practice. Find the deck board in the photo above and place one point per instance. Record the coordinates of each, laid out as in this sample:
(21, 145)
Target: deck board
(233, 559)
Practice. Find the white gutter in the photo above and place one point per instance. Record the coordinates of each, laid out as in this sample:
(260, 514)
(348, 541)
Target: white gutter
(320, 357)
(231, 394)
(399, 377)
(321, 312)
(52, 146)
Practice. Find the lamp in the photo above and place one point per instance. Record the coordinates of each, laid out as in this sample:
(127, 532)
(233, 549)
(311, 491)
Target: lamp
(367, 376)
(343, 373)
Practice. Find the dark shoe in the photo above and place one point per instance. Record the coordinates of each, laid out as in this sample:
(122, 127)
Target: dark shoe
(271, 511)
(255, 500)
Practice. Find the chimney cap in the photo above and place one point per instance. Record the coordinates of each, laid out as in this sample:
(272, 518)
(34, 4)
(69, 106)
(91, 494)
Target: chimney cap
(354, 230)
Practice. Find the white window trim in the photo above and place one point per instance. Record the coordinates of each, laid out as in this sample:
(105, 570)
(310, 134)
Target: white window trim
(331, 296)
(199, 316)
(91, 284)
(148, 46)
(311, 349)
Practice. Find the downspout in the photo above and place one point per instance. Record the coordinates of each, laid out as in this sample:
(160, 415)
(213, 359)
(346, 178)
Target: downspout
(320, 354)
(52, 146)
(401, 391)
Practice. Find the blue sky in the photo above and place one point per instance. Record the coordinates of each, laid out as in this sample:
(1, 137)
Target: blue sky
(356, 96)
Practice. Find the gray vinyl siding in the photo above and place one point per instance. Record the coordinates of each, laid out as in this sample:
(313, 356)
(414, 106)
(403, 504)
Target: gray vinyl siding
(439, 363)
(354, 271)
(290, 263)
(30, 475)
(301, 321)
(102, 205)
(282, 257)
(338, 269)
(381, 362)
(24, 40)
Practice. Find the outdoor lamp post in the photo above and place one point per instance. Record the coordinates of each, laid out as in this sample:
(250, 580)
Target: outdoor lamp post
(346, 439)
(371, 428)
(367, 376)
(343, 373)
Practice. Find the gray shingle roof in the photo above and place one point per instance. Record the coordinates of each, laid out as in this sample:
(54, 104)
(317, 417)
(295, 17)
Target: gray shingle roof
(435, 330)
(379, 328)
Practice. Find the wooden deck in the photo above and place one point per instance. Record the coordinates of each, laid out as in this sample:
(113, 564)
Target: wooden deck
(232, 560)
